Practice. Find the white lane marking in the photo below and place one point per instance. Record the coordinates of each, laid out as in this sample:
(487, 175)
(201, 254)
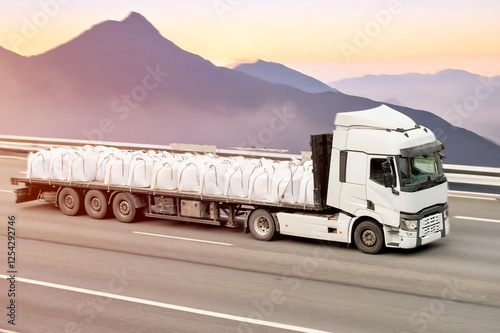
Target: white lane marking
(470, 197)
(182, 238)
(14, 157)
(6, 331)
(169, 306)
(25, 172)
(6, 191)
(476, 219)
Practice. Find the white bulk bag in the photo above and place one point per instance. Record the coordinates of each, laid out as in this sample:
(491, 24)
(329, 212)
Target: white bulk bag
(165, 155)
(237, 179)
(140, 171)
(117, 170)
(188, 176)
(264, 162)
(286, 184)
(282, 165)
(260, 185)
(297, 175)
(102, 162)
(212, 178)
(306, 194)
(160, 157)
(39, 164)
(82, 165)
(165, 175)
(308, 165)
(106, 150)
(201, 160)
(59, 163)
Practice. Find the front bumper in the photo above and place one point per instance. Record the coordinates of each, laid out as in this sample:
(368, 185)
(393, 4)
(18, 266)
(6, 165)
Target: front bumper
(410, 240)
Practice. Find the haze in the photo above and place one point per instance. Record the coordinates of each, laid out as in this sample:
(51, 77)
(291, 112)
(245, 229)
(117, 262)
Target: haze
(329, 40)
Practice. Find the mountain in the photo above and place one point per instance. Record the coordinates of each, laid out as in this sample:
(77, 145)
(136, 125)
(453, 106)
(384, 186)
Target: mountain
(462, 98)
(278, 73)
(123, 81)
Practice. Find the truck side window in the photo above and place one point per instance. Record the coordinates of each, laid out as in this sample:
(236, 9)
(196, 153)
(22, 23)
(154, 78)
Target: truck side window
(376, 172)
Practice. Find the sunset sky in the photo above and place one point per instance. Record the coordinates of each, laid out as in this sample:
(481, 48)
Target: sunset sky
(328, 39)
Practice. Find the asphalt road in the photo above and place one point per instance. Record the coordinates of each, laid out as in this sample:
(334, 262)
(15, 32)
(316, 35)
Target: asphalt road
(76, 274)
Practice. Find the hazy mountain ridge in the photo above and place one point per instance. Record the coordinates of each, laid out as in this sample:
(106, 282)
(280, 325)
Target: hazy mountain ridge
(281, 74)
(464, 99)
(123, 81)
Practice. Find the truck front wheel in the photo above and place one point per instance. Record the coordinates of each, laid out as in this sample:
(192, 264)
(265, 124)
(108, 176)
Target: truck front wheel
(368, 237)
(70, 201)
(261, 224)
(124, 208)
(96, 204)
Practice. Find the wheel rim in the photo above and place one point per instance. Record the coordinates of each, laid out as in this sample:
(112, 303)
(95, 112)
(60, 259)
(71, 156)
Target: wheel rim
(95, 204)
(69, 201)
(262, 226)
(369, 238)
(124, 208)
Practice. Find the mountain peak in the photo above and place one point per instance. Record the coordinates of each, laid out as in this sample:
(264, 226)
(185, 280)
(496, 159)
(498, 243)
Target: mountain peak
(134, 30)
(137, 21)
(136, 18)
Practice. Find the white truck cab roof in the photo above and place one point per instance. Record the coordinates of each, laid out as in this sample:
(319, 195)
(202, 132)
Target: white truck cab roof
(381, 117)
(382, 131)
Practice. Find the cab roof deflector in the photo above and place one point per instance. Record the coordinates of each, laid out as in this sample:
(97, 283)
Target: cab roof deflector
(421, 150)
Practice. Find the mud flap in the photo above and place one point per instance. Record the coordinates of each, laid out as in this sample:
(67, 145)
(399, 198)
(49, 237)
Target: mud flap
(27, 194)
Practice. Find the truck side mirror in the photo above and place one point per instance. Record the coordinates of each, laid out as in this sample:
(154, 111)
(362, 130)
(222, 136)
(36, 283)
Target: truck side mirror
(388, 177)
(386, 167)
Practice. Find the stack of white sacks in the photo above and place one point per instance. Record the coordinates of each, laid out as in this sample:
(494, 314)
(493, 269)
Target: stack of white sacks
(256, 179)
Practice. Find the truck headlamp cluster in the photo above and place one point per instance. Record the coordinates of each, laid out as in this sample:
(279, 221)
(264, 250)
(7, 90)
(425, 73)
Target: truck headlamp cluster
(445, 214)
(409, 225)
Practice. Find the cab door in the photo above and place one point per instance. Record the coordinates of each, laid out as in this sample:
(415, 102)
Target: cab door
(383, 200)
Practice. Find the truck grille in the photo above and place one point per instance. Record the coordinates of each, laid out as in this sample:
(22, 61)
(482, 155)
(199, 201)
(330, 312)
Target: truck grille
(431, 224)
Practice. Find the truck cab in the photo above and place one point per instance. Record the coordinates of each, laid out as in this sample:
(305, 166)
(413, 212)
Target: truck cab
(387, 170)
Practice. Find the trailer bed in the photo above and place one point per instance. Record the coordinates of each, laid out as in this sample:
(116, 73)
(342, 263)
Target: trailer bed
(97, 185)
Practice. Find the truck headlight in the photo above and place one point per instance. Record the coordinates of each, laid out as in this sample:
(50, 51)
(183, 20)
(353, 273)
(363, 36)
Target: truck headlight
(409, 225)
(445, 214)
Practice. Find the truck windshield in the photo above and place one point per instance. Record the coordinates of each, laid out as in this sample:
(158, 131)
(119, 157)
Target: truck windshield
(420, 172)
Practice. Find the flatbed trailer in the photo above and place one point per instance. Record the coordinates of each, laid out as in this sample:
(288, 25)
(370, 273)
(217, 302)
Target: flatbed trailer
(127, 204)
(142, 198)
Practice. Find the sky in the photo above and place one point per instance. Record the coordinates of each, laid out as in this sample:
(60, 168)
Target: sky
(327, 39)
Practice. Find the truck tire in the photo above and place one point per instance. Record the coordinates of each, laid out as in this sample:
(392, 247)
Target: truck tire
(369, 237)
(124, 208)
(262, 225)
(96, 204)
(70, 201)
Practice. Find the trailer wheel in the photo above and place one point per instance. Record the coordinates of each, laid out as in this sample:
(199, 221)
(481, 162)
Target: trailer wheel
(124, 208)
(96, 204)
(368, 237)
(261, 224)
(70, 201)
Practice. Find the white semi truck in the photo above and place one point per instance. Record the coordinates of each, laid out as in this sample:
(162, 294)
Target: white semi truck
(377, 182)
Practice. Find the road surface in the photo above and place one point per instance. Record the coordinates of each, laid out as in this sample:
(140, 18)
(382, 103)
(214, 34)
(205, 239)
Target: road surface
(76, 274)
